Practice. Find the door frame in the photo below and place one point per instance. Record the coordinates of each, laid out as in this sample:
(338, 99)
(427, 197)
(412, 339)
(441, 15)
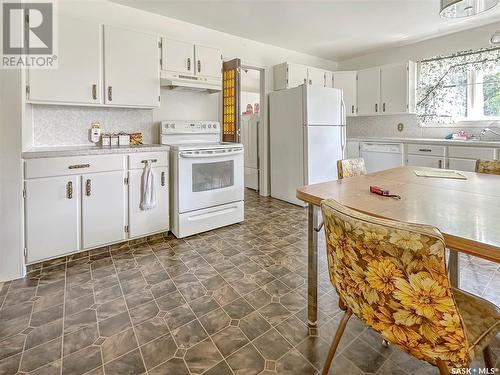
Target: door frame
(263, 159)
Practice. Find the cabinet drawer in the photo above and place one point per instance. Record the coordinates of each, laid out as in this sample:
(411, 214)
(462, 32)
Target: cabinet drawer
(416, 149)
(159, 159)
(71, 165)
(471, 152)
(425, 161)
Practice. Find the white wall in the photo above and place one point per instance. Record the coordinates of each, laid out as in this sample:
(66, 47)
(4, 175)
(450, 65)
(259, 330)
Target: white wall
(461, 41)
(11, 212)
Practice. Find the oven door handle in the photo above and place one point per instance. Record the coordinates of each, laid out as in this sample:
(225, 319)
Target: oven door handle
(209, 155)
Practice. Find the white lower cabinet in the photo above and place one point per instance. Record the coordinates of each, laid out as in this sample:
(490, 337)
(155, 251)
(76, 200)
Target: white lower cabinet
(468, 165)
(52, 217)
(425, 161)
(156, 219)
(103, 208)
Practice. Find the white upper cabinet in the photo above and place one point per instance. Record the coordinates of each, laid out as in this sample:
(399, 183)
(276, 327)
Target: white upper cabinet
(347, 81)
(177, 56)
(208, 61)
(316, 77)
(369, 91)
(77, 78)
(329, 79)
(131, 68)
(394, 88)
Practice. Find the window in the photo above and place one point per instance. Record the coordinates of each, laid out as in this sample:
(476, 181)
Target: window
(464, 87)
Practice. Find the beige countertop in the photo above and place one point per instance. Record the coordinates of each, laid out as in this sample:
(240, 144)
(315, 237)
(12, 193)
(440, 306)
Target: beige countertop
(50, 152)
(446, 142)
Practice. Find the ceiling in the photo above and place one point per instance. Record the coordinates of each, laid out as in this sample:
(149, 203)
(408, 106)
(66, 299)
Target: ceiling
(331, 29)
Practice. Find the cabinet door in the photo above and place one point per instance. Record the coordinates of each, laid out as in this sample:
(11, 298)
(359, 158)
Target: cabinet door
(462, 164)
(177, 56)
(347, 81)
(131, 68)
(208, 61)
(52, 217)
(156, 219)
(103, 208)
(77, 78)
(316, 77)
(369, 91)
(352, 149)
(329, 79)
(425, 161)
(394, 88)
(297, 75)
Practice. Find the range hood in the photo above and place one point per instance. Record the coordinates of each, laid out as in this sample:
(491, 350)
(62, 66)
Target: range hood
(174, 80)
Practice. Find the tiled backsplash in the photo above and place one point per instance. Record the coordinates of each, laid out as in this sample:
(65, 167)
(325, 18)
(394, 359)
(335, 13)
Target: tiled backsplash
(69, 125)
(387, 126)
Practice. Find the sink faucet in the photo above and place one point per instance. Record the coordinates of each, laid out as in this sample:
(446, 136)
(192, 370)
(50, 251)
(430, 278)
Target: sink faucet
(486, 130)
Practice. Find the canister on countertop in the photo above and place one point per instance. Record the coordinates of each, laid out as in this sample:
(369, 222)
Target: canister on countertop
(114, 140)
(123, 139)
(136, 139)
(106, 140)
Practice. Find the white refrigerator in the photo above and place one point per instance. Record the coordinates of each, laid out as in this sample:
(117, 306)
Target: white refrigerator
(307, 137)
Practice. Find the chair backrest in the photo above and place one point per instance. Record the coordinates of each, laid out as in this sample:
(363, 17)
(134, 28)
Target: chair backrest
(350, 168)
(393, 277)
(488, 166)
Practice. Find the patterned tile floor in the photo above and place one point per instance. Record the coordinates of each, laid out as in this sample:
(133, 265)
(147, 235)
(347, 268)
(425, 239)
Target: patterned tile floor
(231, 301)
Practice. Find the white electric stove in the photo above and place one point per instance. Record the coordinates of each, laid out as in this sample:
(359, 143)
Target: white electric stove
(206, 177)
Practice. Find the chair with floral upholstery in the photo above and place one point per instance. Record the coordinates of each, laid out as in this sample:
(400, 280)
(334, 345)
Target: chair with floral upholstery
(488, 166)
(393, 277)
(350, 168)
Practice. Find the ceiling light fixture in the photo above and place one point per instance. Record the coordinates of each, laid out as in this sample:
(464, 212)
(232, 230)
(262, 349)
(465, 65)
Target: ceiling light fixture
(495, 39)
(465, 8)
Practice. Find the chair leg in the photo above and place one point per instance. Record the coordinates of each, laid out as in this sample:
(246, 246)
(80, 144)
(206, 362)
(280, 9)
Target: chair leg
(488, 358)
(443, 367)
(336, 341)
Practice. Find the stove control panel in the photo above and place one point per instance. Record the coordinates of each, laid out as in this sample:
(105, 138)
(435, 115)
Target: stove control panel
(183, 127)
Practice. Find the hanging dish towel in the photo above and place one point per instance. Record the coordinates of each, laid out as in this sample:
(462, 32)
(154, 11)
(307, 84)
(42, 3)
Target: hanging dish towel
(148, 198)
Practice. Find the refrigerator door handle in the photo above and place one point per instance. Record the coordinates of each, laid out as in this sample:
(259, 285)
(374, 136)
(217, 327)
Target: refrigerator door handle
(344, 124)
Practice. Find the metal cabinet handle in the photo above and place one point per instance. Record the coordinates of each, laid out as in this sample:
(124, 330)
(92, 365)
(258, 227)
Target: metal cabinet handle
(440, 163)
(352, 109)
(189, 64)
(69, 190)
(424, 150)
(383, 107)
(305, 80)
(376, 107)
(88, 187)
(310, 81)
(162, 178)
(94, 91)
(199, 66)
(110, 93)
(78, 166)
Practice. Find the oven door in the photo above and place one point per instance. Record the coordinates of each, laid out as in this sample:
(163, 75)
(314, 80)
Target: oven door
(209, 178)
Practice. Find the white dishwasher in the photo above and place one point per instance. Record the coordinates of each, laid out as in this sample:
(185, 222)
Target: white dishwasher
(381, 156)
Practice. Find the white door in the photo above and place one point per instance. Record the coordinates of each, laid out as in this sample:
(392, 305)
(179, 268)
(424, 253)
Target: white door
(394, 88)
(324, 148)
(156, 219)
(52, 219)
(316, 77)
(458, 164)
(297, 75)
(208, 61)
(131, 68)
(323, 106)
(177, 56)
(369, 91)
(425, 161)
(347, 81)
(77, 78)
(103, 208)
(209, 178)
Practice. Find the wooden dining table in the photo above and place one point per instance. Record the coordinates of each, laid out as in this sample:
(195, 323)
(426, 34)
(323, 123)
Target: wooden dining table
(466, 211)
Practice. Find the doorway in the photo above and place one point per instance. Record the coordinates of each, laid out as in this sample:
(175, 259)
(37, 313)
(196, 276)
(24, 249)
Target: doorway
(253, 129)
